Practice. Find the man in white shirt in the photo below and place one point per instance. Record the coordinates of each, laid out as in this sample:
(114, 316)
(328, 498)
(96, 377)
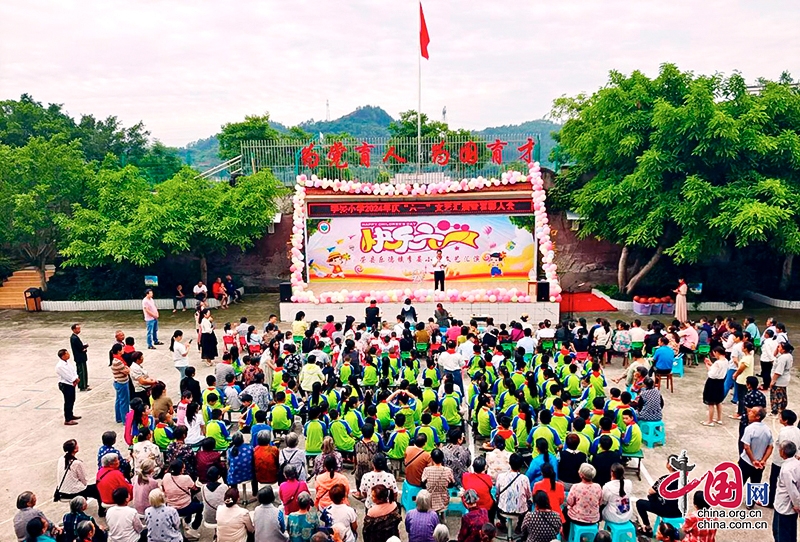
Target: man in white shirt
(465, 349)
(200, 291)
(527, 342)
(787, 495)
(789, 432)
(399, 327)
(637, 333)
(545, 331)
(451, 363)
(241, 329)
(67, 380)
(150, 319)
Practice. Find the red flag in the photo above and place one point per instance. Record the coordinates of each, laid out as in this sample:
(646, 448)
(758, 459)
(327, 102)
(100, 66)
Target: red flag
(424, 38)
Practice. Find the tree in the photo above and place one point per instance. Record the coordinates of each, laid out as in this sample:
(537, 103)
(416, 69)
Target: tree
(658, 161)
(27, 118)
(253, 128)
(39, 183)
(185, 215)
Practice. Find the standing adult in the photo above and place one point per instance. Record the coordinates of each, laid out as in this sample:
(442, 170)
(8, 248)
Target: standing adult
(121, 374)
(757, 441)
(179, 352)
(714, 389)
(681, 307)
(79, 355)
(439, 268)
(179, 297)
(788, 432)
(452, 364)
(68, 379)
(781, 375)
(208, 340)
(150, 319)
(787, 496)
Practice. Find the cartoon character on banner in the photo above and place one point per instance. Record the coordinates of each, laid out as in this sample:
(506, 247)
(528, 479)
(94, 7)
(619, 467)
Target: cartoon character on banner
(336, 261)
(495, 260)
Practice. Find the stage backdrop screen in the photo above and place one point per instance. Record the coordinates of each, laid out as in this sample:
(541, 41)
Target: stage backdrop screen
(358, 249)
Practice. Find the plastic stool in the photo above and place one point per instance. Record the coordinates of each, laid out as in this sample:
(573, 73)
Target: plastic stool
(621, 532)
(653, 433)
(408, 496)
(677, 366)
(582, 533)
(675, 522)
(456, 506)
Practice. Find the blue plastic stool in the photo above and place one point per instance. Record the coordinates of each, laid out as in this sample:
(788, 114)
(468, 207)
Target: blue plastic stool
(653, 433)
(621, 532)
(677, 366)
(456, 506)
(409, 494)
(675, 522)
(588, 532)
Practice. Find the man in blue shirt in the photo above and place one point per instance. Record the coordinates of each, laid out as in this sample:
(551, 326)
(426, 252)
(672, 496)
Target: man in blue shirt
(663, 358)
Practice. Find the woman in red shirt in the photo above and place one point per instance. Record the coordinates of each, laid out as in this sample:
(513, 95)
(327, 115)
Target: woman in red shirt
(481, 483)
(553, 488)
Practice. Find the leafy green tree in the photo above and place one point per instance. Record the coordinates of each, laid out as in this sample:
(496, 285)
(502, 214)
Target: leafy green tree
(185, 215)
(39, 183)
(665, 166)
(27, 118)
(253, 128)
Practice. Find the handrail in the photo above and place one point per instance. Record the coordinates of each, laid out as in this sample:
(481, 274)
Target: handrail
(236, 162)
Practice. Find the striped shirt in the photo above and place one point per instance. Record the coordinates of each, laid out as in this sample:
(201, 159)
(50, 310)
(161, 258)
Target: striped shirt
(120, 370)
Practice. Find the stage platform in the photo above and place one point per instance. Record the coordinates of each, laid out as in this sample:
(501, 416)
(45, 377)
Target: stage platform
(501, 312)
(319, 286)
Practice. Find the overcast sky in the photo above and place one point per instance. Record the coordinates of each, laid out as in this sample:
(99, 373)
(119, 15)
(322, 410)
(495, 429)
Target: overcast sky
(186, 67)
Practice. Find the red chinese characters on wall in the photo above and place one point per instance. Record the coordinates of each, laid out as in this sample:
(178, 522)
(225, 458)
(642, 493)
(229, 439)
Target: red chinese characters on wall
(468, 154)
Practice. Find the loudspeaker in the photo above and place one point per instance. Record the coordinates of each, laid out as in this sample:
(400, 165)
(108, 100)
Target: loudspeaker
(285, 290)
(543, 291)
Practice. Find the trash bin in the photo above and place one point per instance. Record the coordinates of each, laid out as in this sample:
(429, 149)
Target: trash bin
(33, 299)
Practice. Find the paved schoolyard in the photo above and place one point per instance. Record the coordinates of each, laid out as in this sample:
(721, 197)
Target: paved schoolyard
(31, 415)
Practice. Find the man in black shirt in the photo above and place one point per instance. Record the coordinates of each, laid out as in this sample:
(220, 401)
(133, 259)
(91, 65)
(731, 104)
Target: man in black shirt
(79, 355)
(372, 315)
(656, 504)
(489, 339)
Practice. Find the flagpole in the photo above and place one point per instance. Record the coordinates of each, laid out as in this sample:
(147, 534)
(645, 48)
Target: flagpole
(419, 109)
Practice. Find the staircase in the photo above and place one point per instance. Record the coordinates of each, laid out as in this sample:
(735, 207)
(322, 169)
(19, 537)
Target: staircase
(12, 291)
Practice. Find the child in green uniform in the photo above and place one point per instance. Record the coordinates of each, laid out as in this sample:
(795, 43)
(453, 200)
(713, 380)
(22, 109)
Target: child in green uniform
(432, 435)
(395, 446)
(314, 431)
(342, 433)
(280, 415)
(451, 405)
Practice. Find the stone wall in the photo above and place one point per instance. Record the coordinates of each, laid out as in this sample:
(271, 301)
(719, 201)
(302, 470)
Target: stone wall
(582, 263)
(261, 267)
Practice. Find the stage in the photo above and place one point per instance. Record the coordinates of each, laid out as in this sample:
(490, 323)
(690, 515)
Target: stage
(501, 312)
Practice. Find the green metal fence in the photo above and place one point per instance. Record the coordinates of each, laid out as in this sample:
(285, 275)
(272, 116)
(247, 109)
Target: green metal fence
(391, 159)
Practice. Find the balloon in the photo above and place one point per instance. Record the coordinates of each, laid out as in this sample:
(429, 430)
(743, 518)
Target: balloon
(492, 298)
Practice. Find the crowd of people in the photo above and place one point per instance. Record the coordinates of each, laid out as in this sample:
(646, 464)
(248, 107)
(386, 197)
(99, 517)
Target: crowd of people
(311, 416)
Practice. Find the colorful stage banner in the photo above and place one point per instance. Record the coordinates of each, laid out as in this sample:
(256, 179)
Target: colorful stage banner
(479, 248)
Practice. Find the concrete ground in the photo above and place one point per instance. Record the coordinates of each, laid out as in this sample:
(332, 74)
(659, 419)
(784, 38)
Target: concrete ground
(31, 406)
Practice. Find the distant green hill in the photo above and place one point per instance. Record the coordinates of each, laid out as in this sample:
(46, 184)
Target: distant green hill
(365, 122)
(541, 126)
